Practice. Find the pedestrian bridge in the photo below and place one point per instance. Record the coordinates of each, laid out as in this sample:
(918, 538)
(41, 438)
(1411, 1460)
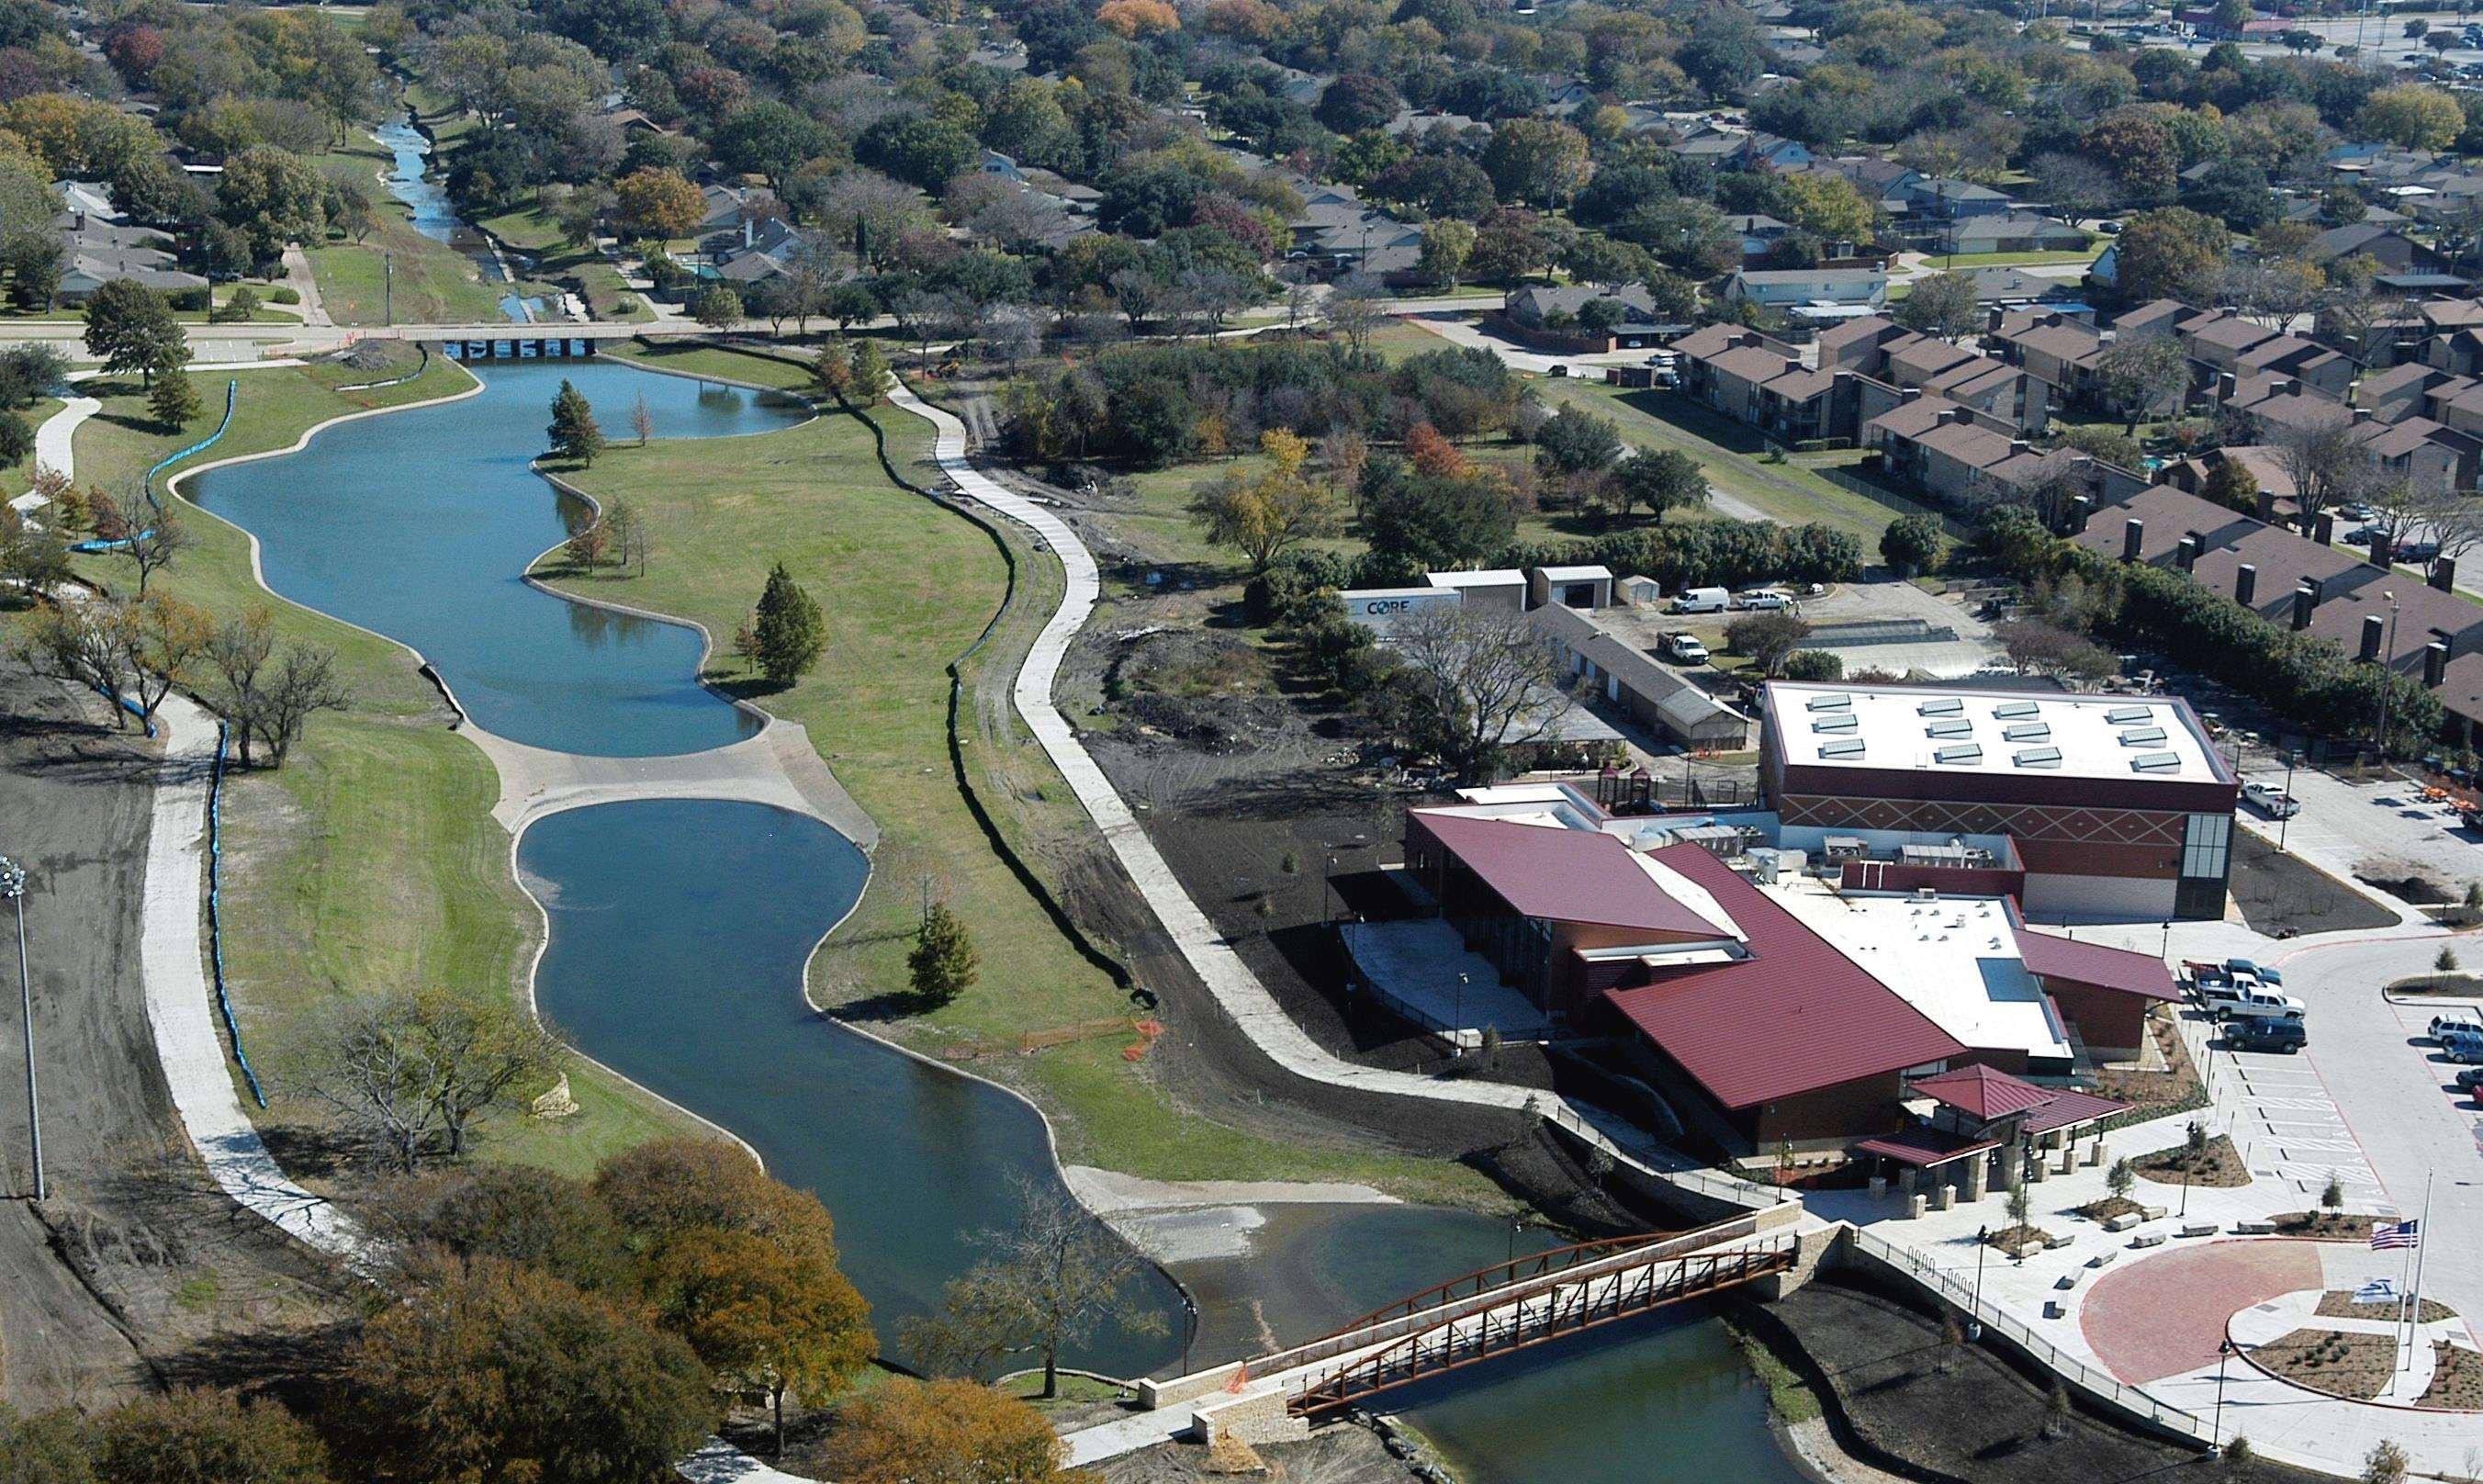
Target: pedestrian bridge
(1497, 1311)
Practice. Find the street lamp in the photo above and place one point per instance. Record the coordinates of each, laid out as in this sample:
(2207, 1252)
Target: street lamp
(1457, 1030)
(13, 886)
(1974, 1320)
(1328, 888)
(2224, 1353)
(2382, 740)
(1190, 1334)
(2285, 821)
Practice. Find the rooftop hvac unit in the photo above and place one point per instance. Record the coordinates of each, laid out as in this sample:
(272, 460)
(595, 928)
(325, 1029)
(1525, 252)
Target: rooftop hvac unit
(1926, 894)
(1844, 847)
(1764, 866)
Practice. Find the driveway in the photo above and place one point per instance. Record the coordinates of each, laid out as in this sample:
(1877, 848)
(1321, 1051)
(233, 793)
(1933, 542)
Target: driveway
(1870, 602)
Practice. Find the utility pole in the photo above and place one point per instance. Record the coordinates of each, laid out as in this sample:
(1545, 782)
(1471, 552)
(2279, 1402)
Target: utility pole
(13, 886)
(2387, 675)
(387, 265)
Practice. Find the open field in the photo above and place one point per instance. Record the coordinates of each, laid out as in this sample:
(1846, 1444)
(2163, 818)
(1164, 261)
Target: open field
(907, 586)
(371, 860)
(435, 282)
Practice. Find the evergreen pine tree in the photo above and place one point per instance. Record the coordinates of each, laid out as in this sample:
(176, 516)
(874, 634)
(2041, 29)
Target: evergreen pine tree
(174, 401)
(944, 960)
(573, 431)
(869, 380)
(791, 631)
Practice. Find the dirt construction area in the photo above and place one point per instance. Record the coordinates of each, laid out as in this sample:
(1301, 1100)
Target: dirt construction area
(138, 1270)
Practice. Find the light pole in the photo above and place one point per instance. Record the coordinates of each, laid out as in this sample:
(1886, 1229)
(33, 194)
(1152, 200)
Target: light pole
(2224, 1353)
(1457, 1030)
(1974, 1319)
(1328, 888)
(13, 886)
(2285, 821)
(2382, 740)
(387, 267)
(1516, 1223)
(1189, 1333)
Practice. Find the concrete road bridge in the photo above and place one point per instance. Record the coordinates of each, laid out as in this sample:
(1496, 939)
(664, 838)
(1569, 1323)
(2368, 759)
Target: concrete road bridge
(1481, 1316)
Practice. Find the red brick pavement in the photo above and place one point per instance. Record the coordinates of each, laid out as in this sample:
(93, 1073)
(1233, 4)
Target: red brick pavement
(2164, 1315)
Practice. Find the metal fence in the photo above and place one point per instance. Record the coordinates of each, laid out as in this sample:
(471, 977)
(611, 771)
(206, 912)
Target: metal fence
(215, 915)
(2072, 1372)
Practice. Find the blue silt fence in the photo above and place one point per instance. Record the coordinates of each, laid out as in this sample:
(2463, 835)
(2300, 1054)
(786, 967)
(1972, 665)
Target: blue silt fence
(215, 912)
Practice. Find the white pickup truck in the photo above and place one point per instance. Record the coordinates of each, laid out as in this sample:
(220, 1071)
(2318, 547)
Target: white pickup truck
(2270, 800)
(1683, 649)
(2235, 996)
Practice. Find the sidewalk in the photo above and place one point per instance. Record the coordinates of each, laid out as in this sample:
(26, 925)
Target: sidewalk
(1243, 999)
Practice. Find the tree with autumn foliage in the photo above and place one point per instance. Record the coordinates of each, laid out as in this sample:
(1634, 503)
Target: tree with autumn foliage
(1430, 453)
(910, 1431)
(657, 203)
(1265, 515)
(197, 1437)
(775, 1317)
(1136, 18)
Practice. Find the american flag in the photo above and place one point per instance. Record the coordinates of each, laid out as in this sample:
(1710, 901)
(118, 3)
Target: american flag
(2387, 1234)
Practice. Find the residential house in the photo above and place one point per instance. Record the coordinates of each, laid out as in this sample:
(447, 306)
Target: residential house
(1802, 287)
(99, 245)
(1961, 457)
(1758, 382)
(1758, 233)
(2011, 231)
(1887, 353)
(2392, 249)
(2059, 349)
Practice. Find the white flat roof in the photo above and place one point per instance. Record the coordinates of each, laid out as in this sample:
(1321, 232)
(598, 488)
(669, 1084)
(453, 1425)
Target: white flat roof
(2024, 733)
(1495, 577)
(1575, 574)
(1956, 959)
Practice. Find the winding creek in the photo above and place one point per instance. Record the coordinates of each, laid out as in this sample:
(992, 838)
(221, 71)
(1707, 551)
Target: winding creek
(678, 931)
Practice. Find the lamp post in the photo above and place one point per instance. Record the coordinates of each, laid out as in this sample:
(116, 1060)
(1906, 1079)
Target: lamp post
(1328, 888)
(13, 886)
(387, 267)
(1516, 1223)
(2224, 1353)
(2284, 822)
(1974, 1317)
(1457, 1030)
(1189, 1333)
(2380, 741)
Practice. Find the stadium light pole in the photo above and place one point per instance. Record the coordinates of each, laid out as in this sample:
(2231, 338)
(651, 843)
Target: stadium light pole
(13, 886)
(2284, 822)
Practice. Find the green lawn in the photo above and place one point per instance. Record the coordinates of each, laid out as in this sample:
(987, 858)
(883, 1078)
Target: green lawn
(1943, 261)
(435, 282)
(1806, 488)
(371, 860)
(907, 585)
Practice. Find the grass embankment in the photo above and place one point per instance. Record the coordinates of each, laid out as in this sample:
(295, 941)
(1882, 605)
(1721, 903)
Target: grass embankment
(371, 860)
(907, 585)
(596, 278)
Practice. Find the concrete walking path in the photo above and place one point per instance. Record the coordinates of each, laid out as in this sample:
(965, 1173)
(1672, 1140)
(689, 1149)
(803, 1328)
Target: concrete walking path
(180, 1002)
(299, 278)
(1245, 1001)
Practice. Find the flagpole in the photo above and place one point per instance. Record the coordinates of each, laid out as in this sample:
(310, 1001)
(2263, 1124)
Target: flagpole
(2414, 1308)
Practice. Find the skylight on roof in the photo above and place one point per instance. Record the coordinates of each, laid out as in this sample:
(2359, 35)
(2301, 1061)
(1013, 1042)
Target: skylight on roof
(1836, 724)
(2156, 762)
(2015, 709)
(1950, 727)
(2027, 731)
(2121, 716)
(1949, 706)
(2142, 736)
(1969, 752)
(2037, 757)
(1830, 703)
(1842, 747)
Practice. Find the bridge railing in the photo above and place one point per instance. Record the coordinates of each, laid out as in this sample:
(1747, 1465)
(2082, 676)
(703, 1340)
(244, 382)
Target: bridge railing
(1707, 1239)
(2073, 1371)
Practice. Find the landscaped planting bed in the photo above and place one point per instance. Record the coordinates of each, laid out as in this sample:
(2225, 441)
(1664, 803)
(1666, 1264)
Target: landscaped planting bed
(2340, 1362)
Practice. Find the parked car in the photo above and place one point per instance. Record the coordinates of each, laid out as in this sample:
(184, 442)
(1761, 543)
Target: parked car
(2464, 1022)
(2356, 510)
(2267, 1034)
(1683, 649)
(1702, 600)
(2269, 800)
(2468, 1078)
(1762, 601)
(2459, 1046)
(2246, 999)
(2255, 970)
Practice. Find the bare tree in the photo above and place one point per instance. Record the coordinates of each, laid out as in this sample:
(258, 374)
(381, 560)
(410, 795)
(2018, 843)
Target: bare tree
(77, 643)
(642, 419)
(1486, 682)
(403, 1066)
(2143, 375)
(1354, 311)
(1047, 1283)
(629, 531)
(150, 538)
(2324, 458)
(2456, 522)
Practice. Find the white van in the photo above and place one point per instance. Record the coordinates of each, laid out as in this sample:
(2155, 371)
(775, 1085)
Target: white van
(1702, 600)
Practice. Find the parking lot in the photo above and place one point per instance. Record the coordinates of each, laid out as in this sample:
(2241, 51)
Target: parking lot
(2368, 833)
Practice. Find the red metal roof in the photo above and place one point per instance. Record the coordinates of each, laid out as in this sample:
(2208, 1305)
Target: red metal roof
(1983, 1092)
(1793, 1017)
(2102, 968)
(2069, 1107)
(1924, 1147)
(1565, 875)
